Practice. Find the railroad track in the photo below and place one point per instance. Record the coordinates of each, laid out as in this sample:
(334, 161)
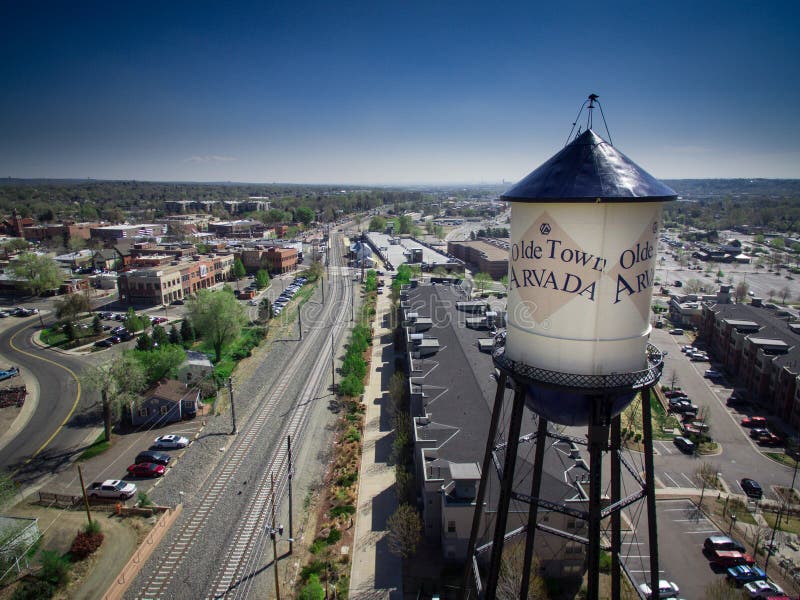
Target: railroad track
(232, 579)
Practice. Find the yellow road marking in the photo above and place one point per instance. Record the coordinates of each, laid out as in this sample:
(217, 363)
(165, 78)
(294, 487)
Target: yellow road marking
(74, 405)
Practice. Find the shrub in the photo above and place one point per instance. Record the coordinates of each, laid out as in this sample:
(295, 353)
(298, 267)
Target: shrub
(315, 567)
(34, 590)
(92, 527)
(334, 536)
(347, 479)
(605, 562)
(317, 546)
(352, 435)
(55, 568)
(312, 590)
(142, 499)
(340, 511)
(85, 544)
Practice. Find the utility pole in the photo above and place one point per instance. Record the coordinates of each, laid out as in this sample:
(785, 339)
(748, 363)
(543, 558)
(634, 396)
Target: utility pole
(233, 406)
(300, 321)
(291, 473)
(780, 511)
(85, 498)
(274, 540)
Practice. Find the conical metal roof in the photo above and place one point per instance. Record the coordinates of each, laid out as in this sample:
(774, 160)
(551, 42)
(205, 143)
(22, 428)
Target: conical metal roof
(589, 170)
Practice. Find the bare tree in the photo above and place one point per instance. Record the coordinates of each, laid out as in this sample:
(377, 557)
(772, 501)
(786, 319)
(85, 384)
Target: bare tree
(405, 531)
(118, 381)
(706, 476)
(508, 585)
(740, 293)
(785, 291)
(693, 286)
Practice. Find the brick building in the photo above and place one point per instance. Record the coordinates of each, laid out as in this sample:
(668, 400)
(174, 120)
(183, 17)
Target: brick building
(273, 259)
(175, 281)
(484, 256)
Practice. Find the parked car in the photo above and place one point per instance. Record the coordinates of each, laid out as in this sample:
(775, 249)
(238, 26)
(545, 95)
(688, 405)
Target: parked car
(178, 302)
(752, 488)
(754, 422)
(684, 444)
(8, 373)
(722, 542)
(723, 559)
(770, 439)
(149, 456)
(111, 489)
(125, 336)
(712, 374)
(758, 432)
(763, 588)
(171, 441)
(742, 574)
(146, 469)
(666, 589)
(103, 344)
(253, 302)
(674, 393)
(676, 331)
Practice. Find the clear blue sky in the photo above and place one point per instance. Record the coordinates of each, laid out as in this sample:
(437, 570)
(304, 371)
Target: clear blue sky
(392, 92)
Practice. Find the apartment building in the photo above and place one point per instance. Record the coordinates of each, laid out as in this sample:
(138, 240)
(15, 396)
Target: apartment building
(166, 283)
(274, 259)
(759, 348)
(451, 391)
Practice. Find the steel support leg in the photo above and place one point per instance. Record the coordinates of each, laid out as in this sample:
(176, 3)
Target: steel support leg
(506, 487)
(616, 516)
(650, 488)
(533, 510)
(466, 581)
(598, 442)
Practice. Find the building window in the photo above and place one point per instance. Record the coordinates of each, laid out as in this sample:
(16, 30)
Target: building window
(451, 527)
(164, 410)
(142, 412)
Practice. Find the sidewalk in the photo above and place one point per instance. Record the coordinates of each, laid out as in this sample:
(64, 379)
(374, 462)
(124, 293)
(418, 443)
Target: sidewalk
(376, 573)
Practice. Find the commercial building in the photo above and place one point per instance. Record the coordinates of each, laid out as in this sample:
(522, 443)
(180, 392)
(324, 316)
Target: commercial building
(175, 281)
(484, 256)
(112, 233)
(243, 228)
(451, 391)
(275, 259)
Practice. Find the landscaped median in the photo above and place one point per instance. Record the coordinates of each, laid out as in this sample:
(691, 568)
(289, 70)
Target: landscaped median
(325, 564)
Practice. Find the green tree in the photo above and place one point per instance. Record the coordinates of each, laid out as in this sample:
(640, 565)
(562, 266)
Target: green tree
(265, 310)
(262, 279)
(70, 306)
(16, 245)
(69, 330)
(187, 332)
(377, 223)
(144, 342)
(304, 214)
(238, 268)
(118, 381)
(217, 317)
(134, 322)
(405, 531)
(312, 590)
(404, 224)
(160, 336)
(97, 325)
(315, 271)
(482, 281)
(159, 362)
(174, 335)
(39, 273)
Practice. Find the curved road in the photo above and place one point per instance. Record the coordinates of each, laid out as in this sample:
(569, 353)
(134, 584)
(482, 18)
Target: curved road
(56, 431)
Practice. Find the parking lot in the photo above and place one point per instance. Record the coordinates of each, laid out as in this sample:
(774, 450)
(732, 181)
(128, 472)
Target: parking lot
(681, 531)
(113, 463)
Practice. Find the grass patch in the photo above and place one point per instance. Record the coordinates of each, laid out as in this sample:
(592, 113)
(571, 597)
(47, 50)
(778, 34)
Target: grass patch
(734, 507)
(781, 458)
(790, 524)
(99, 446)
(660, 420)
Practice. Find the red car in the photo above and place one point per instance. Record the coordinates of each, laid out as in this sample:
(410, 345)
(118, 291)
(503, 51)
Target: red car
(146, 470)
(754, 422)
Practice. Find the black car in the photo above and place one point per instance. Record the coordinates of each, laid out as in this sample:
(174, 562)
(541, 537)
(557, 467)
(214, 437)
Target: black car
(151, 456)
(752, 488)
(103, 344)
(125, 335)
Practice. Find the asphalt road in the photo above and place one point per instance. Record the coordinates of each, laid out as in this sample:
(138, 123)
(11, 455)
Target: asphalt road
(56, 431)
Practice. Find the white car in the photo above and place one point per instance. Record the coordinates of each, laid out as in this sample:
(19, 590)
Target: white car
(666, 589)
(171, 441)
(763, 589)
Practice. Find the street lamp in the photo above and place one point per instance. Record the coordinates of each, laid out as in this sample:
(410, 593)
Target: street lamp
(733, 522)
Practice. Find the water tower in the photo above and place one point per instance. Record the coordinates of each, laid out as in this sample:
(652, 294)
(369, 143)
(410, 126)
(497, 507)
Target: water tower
(584, 231)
